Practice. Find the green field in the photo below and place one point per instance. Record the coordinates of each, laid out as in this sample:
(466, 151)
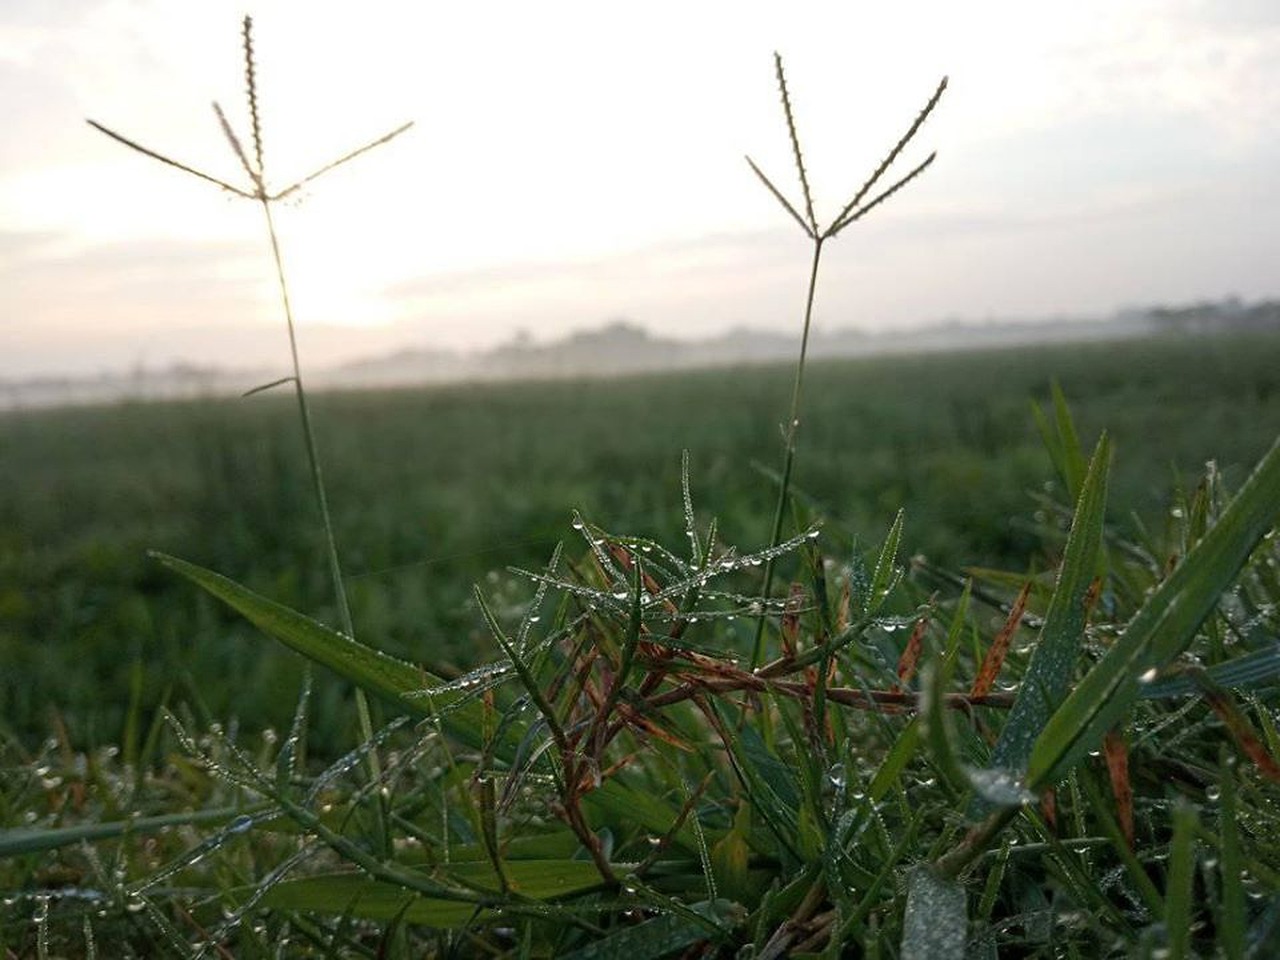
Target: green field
(434, 490)
(659, 761)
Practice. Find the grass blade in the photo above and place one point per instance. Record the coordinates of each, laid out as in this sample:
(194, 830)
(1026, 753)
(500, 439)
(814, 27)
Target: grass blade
(994, 658)
(665, 935)
(20, 841)
(884, 577)
(1177, 898)
(938, 736)
(1251, 671)
(393, 680)
(1232, 914)
(1162, 628)
(397, 681)
(1117, 754)
(1074, 467)
(1242, 732)
(370, 899)
(1053, 664)
(935, 922)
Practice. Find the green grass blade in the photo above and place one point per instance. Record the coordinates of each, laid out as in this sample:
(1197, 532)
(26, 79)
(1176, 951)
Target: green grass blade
(769, 784)
(663, 936)
(991, 888)
(883, 578)
(1057, 652)
(1074, 468)
(396, 680)
(627, 807)
(1162, 628)
(1232, 913)
(1062, 442)
(393, 680)
(936, 921)
(938, 736)
(1177, 898)
(24, 840)
(895, 761)
(368, 899)
(1100, 806)
(530, 682)
(1249, 672)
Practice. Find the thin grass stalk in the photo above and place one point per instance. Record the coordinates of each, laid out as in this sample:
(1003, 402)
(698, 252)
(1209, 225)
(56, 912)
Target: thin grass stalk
(363, 713)
(308, 434)
(789, 453)
(809, 224)
(255, 167)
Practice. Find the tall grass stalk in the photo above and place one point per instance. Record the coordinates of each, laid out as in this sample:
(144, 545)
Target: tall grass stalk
(857, 207)
(258, 192)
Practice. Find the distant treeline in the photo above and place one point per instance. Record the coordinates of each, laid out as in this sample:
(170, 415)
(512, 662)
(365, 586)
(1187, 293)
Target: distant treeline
(1222, 315)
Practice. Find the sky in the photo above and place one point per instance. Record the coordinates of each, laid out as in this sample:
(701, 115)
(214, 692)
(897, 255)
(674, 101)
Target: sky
(574, 163)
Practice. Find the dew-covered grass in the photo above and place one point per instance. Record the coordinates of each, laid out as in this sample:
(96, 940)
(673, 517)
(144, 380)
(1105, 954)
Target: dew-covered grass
(130, 826)
(556, 717)
(438, 489)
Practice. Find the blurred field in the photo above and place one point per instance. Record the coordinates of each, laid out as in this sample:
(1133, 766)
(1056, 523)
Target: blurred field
(434, 490)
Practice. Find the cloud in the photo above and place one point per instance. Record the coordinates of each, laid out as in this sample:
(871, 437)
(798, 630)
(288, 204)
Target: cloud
(60, 298)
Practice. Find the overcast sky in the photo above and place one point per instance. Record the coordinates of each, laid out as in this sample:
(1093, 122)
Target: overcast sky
(577, 162)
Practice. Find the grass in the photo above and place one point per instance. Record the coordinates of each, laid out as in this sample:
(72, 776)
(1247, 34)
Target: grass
(225, 484)
(1048, 738)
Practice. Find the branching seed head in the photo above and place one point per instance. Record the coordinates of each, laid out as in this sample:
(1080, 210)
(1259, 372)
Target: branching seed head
(255, 168)
(858, 206)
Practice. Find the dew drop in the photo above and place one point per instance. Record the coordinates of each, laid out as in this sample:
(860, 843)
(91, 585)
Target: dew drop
(240, 824)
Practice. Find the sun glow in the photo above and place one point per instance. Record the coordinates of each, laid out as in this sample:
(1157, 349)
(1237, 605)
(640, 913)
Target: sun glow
(563, 152)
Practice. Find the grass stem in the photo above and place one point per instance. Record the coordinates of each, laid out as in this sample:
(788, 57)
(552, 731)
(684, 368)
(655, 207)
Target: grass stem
(790, 431)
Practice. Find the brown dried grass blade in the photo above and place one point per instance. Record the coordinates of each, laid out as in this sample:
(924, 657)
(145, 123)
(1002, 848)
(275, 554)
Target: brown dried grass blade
(1117, 754)
(999, 649)
(649, 726)
(842, 606)
(1241, 730)
(791, 620)
(168, 161)
(909, 662)
(1049, 808)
